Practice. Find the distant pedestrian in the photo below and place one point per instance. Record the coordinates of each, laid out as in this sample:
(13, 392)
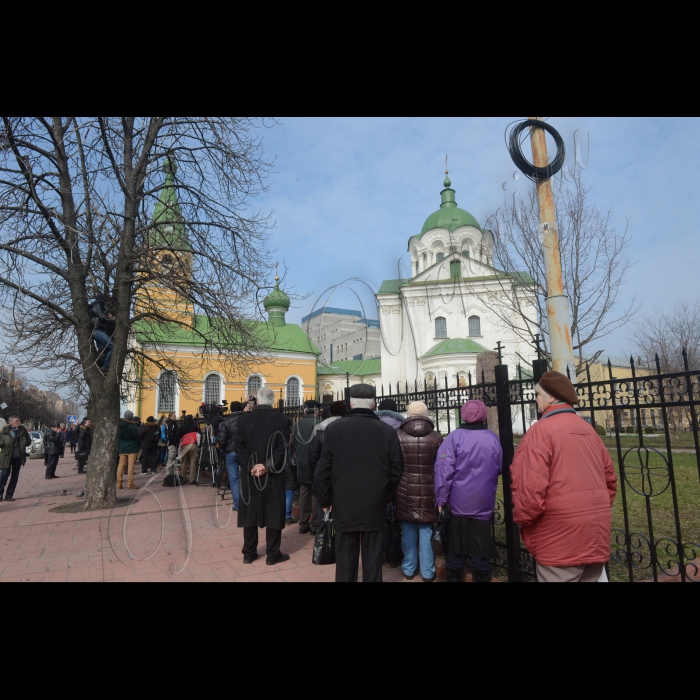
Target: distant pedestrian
(162, 442)
(84, 445)
(564, 485)
(226, 441)
(171, 432)
(14, 442)
(415, 494)
(360, 466)
(467, 467)
(54, 445)
(73, 438)
(129, 444)
(64, 439)
(150, 434)
(188, 436)
(261, 444)
(303, 432)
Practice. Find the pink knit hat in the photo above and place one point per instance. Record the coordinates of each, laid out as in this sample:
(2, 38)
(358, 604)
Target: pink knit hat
(474, 412)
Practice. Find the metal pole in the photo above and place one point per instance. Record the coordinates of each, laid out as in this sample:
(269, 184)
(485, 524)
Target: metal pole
(558, 319)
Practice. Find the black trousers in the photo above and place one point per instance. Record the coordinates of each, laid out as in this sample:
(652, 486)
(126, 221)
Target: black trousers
(82, 462)
(13, 473)
(149, 458)
(51, 465)
(347, 556)
(273, 539)
(308, 508)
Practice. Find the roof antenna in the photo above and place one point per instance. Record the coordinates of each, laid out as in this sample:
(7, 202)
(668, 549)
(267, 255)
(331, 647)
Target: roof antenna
(446, 171)
(277, 279)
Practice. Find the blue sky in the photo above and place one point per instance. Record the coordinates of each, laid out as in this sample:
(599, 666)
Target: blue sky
(348, 194)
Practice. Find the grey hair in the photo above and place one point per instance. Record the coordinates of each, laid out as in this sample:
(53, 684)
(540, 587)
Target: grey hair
(416, 408)
(11, 418)
(265, 396)
(548, 395)
(362, 403)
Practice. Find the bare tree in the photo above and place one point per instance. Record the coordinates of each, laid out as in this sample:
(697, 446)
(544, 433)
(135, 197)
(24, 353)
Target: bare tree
(595, 263)
(152, 211)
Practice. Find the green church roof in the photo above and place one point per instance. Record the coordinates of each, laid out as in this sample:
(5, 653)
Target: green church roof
(358, 368)
(449, 215)
(287, 338)
(276, 299)
(454, 346)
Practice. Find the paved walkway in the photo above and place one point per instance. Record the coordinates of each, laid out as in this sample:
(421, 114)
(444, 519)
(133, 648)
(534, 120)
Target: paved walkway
(148, 541)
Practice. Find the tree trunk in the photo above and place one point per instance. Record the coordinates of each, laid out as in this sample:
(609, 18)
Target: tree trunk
(100, 491)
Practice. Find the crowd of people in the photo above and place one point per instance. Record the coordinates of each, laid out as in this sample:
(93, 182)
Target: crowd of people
(360, 462)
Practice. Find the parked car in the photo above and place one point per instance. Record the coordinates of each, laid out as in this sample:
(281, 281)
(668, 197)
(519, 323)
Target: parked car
(36, 449)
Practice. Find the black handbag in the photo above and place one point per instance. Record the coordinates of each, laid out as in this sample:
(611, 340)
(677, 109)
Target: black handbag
(324, 544)
(438, 540)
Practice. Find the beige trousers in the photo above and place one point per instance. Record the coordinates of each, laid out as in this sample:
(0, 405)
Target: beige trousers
(172, 455)
(123, 460)
(587, 573)
(189, 463)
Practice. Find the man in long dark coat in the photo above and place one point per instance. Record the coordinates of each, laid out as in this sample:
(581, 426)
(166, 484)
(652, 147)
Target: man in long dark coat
(360, 466)
(303, 432)
(261, 440)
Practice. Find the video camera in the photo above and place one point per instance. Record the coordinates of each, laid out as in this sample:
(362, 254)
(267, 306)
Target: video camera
(211, 410)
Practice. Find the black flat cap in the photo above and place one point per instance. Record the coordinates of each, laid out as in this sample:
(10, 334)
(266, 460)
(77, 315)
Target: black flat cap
(363, 391)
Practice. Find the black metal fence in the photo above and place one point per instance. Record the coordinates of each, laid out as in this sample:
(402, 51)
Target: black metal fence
(656, 523)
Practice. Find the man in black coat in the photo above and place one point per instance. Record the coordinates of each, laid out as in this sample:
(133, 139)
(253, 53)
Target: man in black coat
(53, 445)
(261, 442)
(360, 466)
(303, 432)
(84, 444)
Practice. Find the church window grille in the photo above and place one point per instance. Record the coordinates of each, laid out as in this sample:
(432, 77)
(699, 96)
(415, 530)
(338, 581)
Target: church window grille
(439, 257)
(474, 326)
(167, 388)
(292, 391)
(254, 383)
(440, 327)
(212, 389)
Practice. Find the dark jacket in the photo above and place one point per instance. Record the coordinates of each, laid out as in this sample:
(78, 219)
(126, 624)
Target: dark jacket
(129, 438)
(262, 434)
(227, 432)
(171, 431)
(98, 311)
(317, 445)
(187, 426)
(73, 437)
(6, 445)
(84, 439)
(415, 494)
(149, 434)
(360, 465)
(54, 443)
(303, 431)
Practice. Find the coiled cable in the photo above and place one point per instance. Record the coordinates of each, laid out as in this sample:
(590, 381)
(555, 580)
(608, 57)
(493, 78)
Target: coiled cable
(522, 163)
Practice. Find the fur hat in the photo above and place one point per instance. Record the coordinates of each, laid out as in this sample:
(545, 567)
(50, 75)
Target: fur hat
(559, 386)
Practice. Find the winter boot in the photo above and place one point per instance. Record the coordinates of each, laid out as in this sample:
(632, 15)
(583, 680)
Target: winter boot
(481, 576)
(120, 485)
(453, 575)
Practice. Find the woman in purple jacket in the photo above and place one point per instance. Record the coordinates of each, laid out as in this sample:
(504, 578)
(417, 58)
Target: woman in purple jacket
(466, 476)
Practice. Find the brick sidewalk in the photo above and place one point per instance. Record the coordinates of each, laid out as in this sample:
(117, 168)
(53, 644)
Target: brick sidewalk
(37, 545)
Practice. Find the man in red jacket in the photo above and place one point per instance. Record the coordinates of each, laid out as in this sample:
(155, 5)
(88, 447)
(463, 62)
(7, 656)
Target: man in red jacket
(564, 485)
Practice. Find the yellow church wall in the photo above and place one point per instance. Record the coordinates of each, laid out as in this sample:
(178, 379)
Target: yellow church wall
(274, 374)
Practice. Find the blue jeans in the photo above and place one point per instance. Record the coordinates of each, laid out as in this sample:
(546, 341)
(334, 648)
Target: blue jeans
(232, 467)
(415, 536)
(102, 340)
(289, 498)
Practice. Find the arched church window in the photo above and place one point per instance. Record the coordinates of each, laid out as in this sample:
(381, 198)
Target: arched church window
(292, 391)
(254, 383)
(167, 390)
(212, 389)
(440, 327)
(439, 257)
(474, 326)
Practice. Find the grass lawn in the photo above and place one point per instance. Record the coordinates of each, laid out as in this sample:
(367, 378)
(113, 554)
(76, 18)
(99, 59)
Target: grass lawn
(688, 491)
(683, 441)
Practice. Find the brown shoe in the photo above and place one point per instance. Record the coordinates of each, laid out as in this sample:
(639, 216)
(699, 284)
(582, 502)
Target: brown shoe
(132, 486)
(120, 486)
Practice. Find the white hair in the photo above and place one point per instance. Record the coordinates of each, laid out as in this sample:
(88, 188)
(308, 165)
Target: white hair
(362, 403)
(265, 396)
(416, 408)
